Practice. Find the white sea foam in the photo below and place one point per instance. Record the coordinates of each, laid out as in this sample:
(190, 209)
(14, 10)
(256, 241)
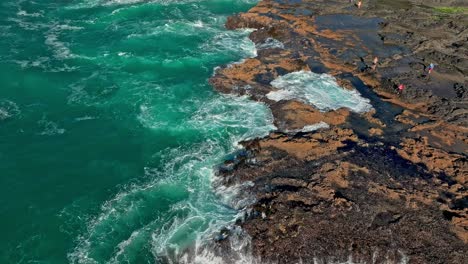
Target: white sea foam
(8, 109)
(49, 128)
(176, 27)
(26, 14)
(95, 3)
(314, 127)
(270, 43)
(59, 48)
(122, 2)
(281, 95)
(123, 247)
(236, 196)
(40, 62)
(198, 24)
(185, 181)
(233, 41)
(44, 63)
(231, 111)
(27, 25)
(64, 68)
(84, 118)
(310, 128)
(320, 90)
(239, 250)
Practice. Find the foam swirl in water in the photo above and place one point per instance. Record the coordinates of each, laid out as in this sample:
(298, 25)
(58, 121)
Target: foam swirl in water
(319, 90)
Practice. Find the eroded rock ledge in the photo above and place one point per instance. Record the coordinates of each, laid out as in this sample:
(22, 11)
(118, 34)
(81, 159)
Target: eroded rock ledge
(389, 185)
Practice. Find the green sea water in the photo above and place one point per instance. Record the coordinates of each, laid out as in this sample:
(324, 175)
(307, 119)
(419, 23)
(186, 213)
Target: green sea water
(109, 130)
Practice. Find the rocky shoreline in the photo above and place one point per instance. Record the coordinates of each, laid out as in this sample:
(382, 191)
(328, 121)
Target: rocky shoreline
(385, 186)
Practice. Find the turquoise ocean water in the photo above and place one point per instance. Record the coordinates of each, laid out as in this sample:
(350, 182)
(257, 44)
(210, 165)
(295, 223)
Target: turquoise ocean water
(109, 130)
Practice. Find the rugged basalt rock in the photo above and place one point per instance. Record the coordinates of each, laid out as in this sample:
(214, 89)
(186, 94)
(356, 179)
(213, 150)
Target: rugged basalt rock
(387, 186)
(335, 196)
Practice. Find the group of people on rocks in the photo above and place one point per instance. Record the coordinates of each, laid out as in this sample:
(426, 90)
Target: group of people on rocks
(401, 86)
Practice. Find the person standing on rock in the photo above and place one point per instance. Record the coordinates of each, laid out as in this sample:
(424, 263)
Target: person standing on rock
(400, 89)
(374, 63)
(430, 68)
(359, 4)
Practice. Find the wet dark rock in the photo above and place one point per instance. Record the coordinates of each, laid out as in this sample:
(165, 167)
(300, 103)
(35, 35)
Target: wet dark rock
(459, 204)
(386, 218)
(281, 71)
(316, 66)
(264, 78)
(460, 90)
(223, 234)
